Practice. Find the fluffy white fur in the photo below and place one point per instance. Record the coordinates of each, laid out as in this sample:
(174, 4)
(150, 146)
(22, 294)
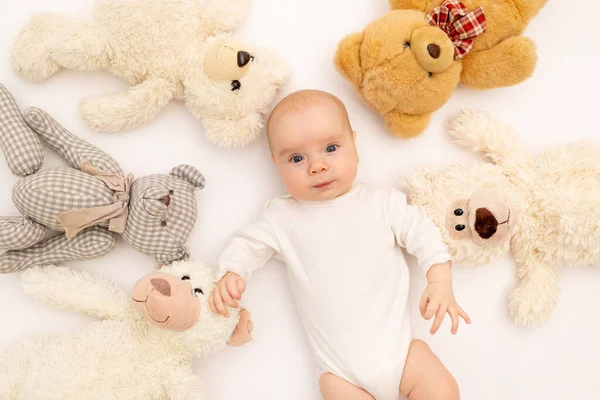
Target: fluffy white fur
(553, 199)
(119, 357)
(158, 46)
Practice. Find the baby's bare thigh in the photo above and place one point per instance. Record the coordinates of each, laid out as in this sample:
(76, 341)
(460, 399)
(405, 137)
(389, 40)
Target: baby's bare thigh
(425, 377)
(336, 388)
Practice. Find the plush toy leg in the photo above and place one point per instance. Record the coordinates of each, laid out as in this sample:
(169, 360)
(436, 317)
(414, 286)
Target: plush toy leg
(51, 40)
(22, 147)
(19, 233)
(507, 63)
(223, 15)
(73, 149)
(532, 302)
(129, 109)
(185, 386)
(92, 242)
(423, 5)
(406, 125)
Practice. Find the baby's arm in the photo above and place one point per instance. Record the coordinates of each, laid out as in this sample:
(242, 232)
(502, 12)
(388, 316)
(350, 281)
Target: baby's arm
(421, 238)
(247, 251)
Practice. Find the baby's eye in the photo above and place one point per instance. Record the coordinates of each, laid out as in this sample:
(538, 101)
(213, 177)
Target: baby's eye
(197, 291)
(297, 159)
(331, 148)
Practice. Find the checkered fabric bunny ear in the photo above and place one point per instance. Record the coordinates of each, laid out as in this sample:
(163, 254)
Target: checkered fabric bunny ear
(189, 174)
(461, 26)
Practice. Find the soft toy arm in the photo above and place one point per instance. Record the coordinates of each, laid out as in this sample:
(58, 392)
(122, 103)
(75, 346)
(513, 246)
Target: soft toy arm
(479, 132)
(76, 290)
(72, 148)
(223, 15)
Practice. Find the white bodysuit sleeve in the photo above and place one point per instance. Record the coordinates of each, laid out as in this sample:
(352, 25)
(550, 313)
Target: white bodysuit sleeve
(248, 249)
(416, 232)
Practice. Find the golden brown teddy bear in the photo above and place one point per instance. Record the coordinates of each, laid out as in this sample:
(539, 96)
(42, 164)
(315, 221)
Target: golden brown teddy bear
(407, 63)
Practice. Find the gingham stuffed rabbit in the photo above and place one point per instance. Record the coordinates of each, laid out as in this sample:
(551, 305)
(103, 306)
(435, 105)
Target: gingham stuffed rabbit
(87, 202)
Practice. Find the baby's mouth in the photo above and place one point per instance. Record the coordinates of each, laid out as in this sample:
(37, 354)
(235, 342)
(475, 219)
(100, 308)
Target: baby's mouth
(323, 185)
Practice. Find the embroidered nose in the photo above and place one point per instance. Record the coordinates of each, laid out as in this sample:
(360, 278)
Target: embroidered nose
(243, 58)
(166, 200)
(434, 50)
(162, 286)
(485, 223)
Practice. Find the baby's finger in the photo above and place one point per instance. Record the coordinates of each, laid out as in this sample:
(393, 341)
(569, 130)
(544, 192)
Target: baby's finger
(241, 285)
(439, 317)
(227, 297)
(432, 308)
(233, 289)
(454, 315)
(220, 307)
(211, 302)
(423, 304)
(464, 315)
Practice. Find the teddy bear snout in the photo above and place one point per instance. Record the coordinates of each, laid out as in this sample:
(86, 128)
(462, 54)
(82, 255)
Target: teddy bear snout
(166, 200)
(434, 50)
(162, 286)
(243, 58)
(486, 224)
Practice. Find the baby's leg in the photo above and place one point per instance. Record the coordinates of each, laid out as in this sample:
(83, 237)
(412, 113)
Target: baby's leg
(425, 377)
(335, 388)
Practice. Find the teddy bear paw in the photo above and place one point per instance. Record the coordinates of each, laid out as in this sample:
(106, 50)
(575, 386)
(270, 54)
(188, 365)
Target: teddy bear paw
(530, 308)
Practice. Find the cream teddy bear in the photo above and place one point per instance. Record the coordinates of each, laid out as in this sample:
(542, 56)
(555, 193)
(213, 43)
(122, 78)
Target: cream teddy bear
(141, 348)
(166, 50)
(543, 208)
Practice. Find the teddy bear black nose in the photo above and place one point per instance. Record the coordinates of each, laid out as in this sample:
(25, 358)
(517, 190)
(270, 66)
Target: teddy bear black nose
(166, 200)
(485, 223)
(434, 50)
(162, 286)
(243, 58)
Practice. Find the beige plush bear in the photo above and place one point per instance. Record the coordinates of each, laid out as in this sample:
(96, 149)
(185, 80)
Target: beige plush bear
(544, 209)
(141, 348)
(166, 50)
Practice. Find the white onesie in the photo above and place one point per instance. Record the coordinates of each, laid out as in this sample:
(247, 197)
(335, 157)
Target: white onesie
(348, 276)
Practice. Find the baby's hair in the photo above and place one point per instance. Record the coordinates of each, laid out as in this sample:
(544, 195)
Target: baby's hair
(303, 98)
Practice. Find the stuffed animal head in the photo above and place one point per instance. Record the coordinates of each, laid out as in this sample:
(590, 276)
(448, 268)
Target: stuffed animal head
(231, 87)
(162, 212)
(407, 63)
(473, 207)
(175, 299)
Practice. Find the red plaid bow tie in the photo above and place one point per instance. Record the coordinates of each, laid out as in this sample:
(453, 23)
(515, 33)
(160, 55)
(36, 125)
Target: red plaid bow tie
(460, 25)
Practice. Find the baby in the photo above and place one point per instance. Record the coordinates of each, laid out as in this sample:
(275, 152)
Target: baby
(341, 242)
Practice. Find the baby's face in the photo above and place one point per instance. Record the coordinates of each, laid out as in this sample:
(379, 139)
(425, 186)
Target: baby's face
(314, 151)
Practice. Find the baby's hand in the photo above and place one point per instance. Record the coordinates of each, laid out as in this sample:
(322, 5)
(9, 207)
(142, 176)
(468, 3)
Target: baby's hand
(229, 289)
(438, 298)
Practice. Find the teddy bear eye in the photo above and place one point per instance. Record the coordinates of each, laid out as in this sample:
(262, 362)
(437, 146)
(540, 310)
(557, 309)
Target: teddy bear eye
(235, 85)
(458, 212)
(407, 45)
(198, 291)
(185, 278)
(430, 74)
(459, 227)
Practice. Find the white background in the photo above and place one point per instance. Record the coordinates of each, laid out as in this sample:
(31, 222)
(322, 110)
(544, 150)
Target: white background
(491, 359)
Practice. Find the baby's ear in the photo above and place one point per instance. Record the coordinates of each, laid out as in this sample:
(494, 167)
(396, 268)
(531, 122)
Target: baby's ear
(189, 174)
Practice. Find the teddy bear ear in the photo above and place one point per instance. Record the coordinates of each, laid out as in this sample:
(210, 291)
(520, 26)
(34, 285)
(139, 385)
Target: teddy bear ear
(418, 181)
(189, 174)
